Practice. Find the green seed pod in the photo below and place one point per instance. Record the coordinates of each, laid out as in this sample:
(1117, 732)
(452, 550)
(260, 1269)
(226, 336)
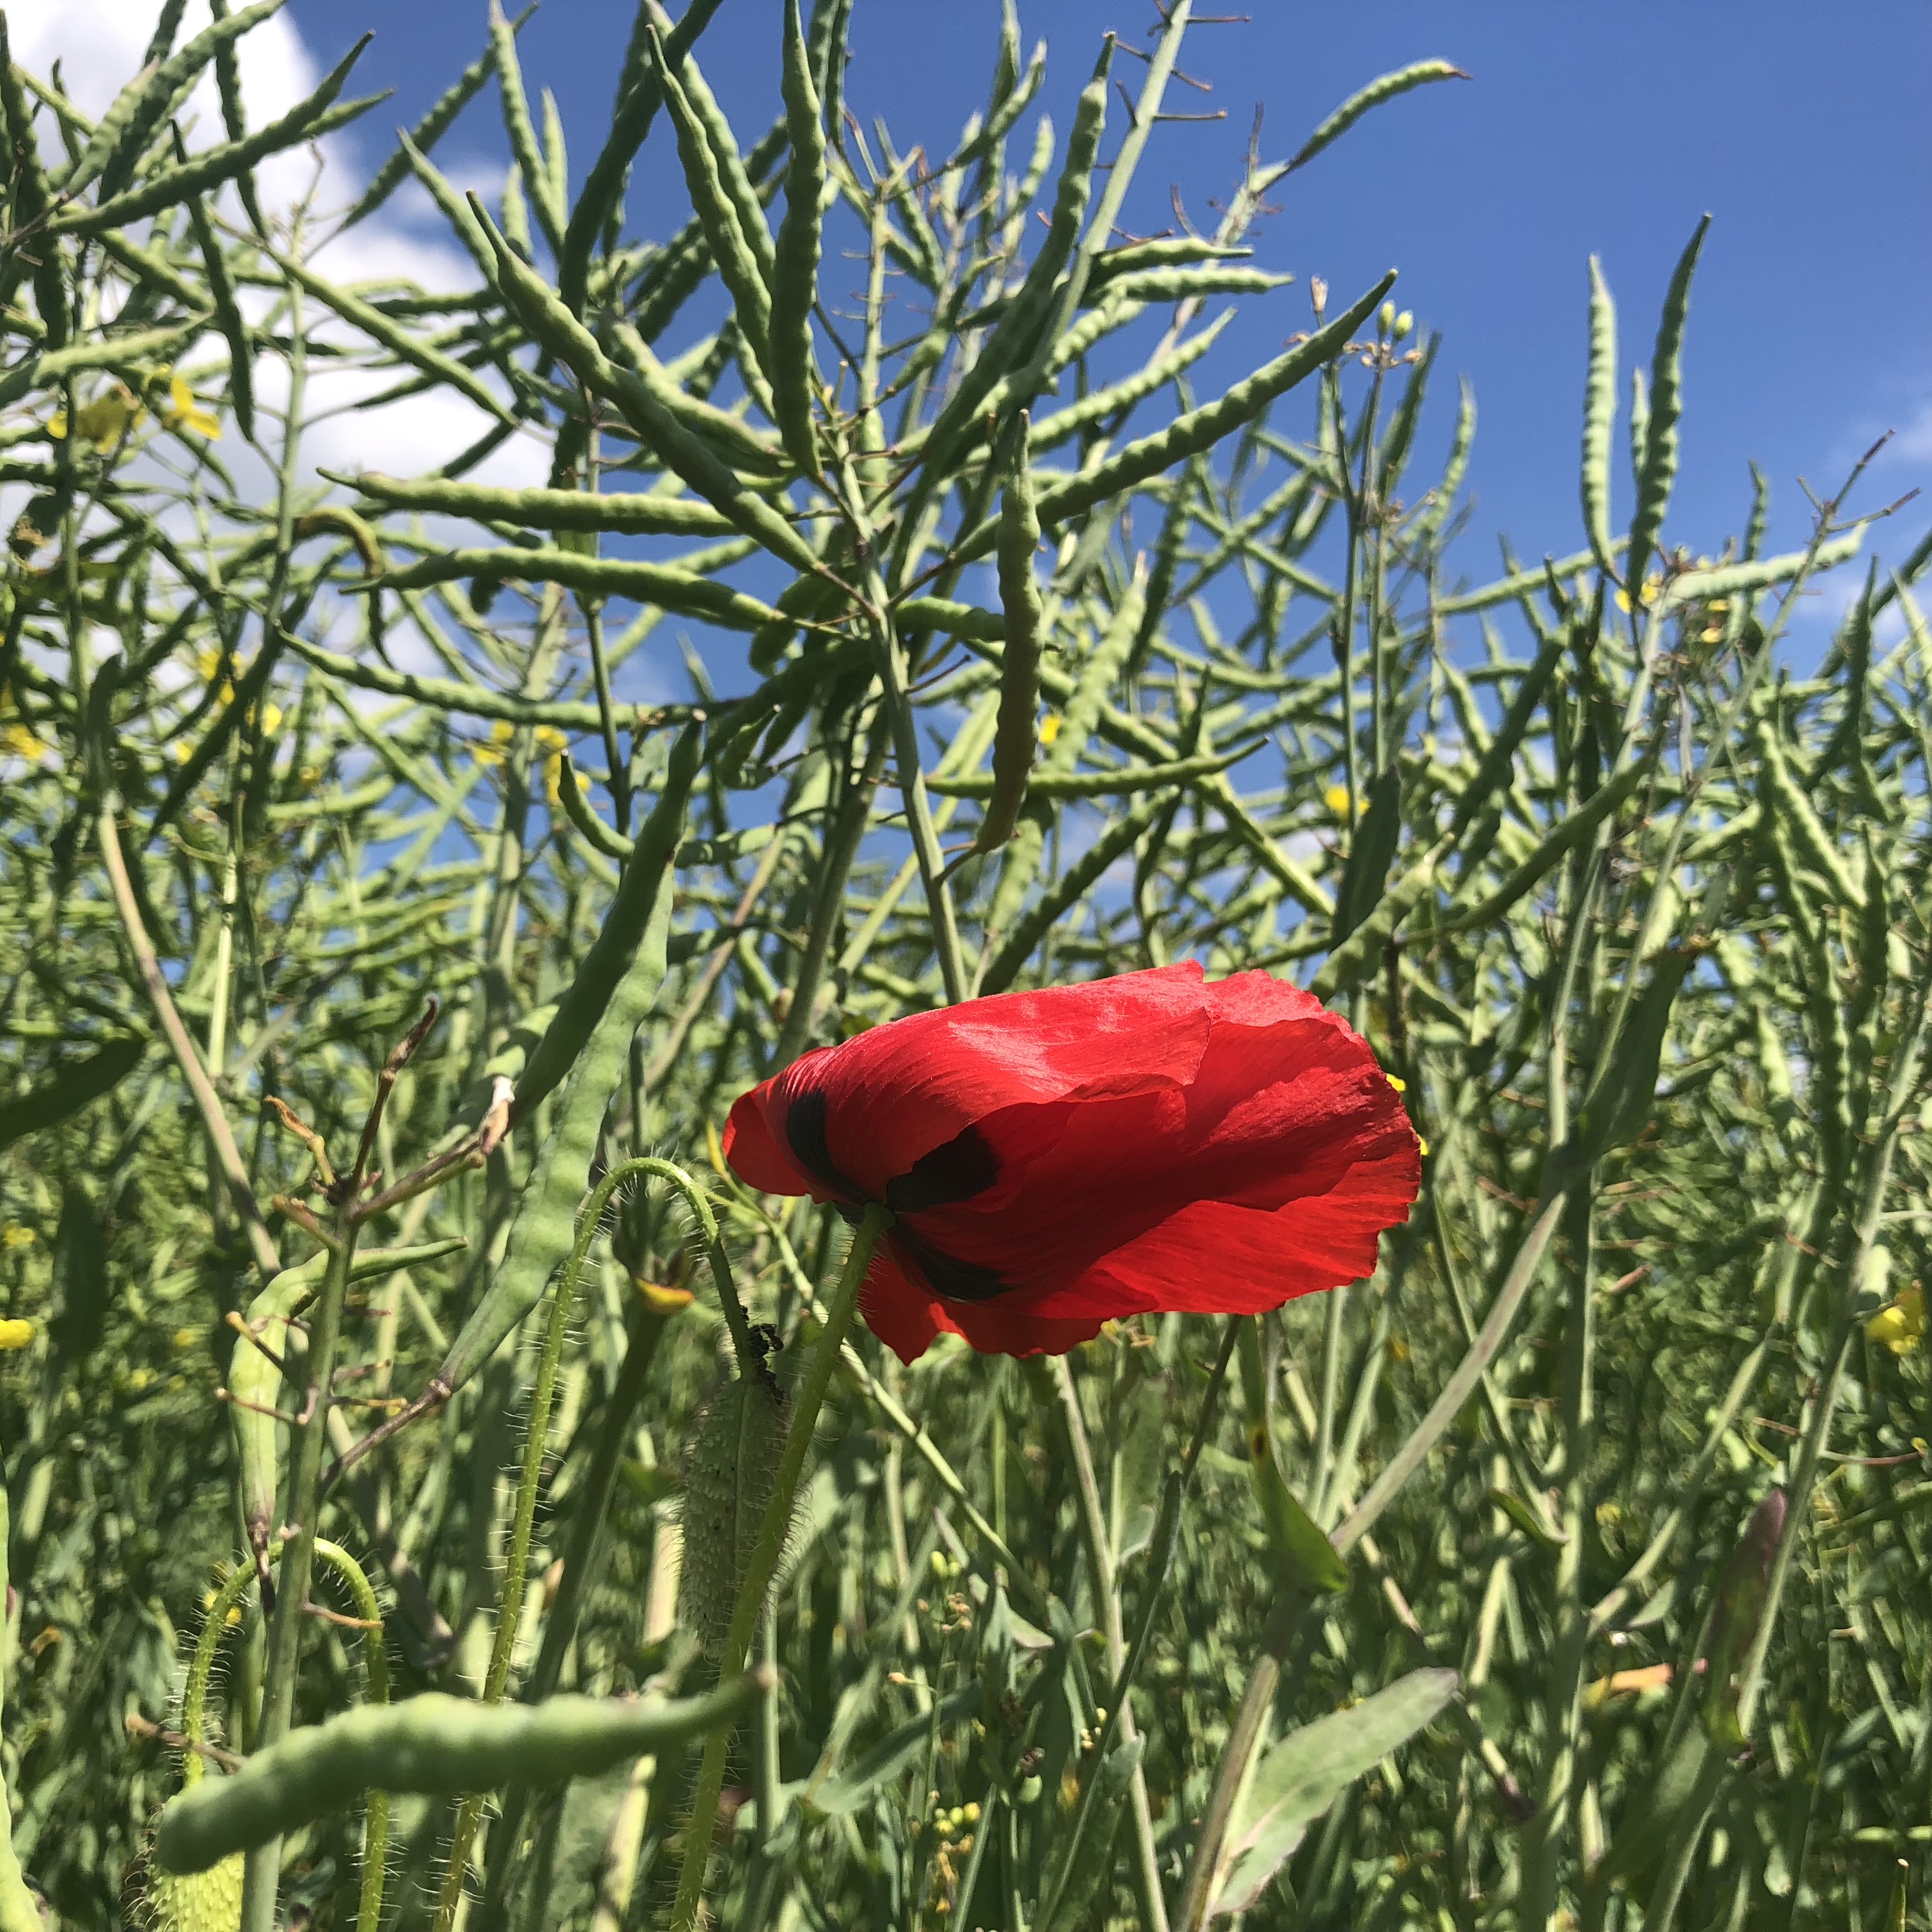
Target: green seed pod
(202, 1901)
(730, 1460)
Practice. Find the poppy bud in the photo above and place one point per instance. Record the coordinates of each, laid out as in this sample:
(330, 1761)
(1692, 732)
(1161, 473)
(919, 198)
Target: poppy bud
(730, 1461)
(202, 1901)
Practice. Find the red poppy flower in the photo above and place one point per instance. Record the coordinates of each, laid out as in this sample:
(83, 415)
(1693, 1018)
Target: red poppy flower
(1055, 1159)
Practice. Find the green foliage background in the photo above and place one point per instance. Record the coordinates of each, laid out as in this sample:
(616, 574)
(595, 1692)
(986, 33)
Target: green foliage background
(1629, 891)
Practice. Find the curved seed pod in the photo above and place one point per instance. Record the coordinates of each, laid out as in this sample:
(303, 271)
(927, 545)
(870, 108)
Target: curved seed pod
(1190, 434)
(31, 199)
(1733, 580)
(1658, 469)
(1600, 412)
(795, 276)
(398, 340)
(528, 156)
(566, 338)
(1122, 781)
(1812, 846)
(234, 116)
(733, 176)
(636, 512)
(739, 444)
(664, 585)
(730, 1461)
(139, 108)
(1123, 395)
(1013, 739)
(308, 120)
(1443, 496)
(449, 694)
(255, 1375)
(1012, 341)
(430, 130)
(601, 203)
(434, 1745)
(1084, 699)
(590, 1040)
(228, 317)
(731, 249)
(1419, 74)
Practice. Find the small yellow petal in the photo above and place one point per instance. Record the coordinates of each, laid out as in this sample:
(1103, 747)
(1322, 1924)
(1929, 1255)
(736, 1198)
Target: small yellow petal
(1338, 799)
(660, 1300)
(1401, 1086)
(16, 1333)
(1049, 728)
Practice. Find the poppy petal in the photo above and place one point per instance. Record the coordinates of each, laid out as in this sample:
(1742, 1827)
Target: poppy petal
(895, 1093)
(757, 1153)
(1213, 1257)
(1276, 1114)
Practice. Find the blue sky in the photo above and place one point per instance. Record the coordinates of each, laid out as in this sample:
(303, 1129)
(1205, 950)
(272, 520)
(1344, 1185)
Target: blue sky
(1606, 129)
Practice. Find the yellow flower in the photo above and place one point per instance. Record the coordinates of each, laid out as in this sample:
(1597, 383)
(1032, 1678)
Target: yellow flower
(1652, 585)
(13, 1236)
(1049, 728)
(181, 411)
(102, 422)
(16, 1333)
(1901, 1327)
(271, 718)
(17, 742)
(493, 753)
(1401, 1086)
(1338, 798)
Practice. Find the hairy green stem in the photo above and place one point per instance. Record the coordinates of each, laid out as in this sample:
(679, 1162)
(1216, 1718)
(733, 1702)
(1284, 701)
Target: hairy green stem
(751, 1605)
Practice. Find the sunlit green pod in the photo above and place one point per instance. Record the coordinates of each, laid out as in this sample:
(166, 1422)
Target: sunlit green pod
(1122, 782)
(1385, 87)
(637, 512)
(433, 1744)
(662, 584)
(1599, 410)
(734, 251)
(1656, 471)
(586, 1047)
(309, 120)
(795, 273)
(1014, 735)
(135, 111)
(431, 128)
(560, 331)
(1116, 398)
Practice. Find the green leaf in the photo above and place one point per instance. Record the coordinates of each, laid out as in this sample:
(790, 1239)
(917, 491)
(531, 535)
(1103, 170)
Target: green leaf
(1297, 1780)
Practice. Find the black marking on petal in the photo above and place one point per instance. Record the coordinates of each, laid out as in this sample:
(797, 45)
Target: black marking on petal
(956, 1171)
(805, 1133)
(949, 1277)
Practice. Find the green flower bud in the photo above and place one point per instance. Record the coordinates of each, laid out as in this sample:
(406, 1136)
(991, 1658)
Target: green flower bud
(202, 1901)
(731, 1462)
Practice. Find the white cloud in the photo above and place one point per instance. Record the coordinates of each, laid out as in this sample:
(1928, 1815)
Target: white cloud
(99, 44)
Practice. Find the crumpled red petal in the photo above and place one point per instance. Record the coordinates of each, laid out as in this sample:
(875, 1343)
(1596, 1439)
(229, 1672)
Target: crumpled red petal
(1156, 1142)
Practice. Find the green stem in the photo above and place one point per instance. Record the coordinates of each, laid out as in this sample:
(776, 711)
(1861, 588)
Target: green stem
(263, 1870)
(1107, 1600)
(536, 1442)
(18, 1911)
(750, 1606)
